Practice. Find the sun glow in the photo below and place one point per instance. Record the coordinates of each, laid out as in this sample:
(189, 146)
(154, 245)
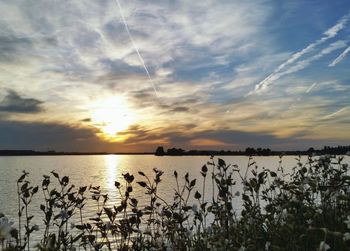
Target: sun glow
(112, 116)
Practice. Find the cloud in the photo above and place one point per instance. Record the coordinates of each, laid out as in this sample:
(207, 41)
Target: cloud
(204, 57)
(311, 87)
(11, 47)
(335, 114)
(119, 69)
(13, 102)
(86, 120)
(43, 136)
(279, 71)
(180, 109)
(135, 47)
(340, 57)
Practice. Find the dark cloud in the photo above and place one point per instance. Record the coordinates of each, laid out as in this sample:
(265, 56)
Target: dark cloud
(11, 46)
(119, 67)
(86, 120)
(115, 31)
(13, 102)
(41, 136)
(231, 139)
(66, 137)
(142, 94)
(180, 109)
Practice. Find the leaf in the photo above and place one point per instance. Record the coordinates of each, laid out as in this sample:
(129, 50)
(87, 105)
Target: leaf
(142, 183)
(65, 179)
(91, 238)
(35, 189)
(21, 178)
(193, 183)
(55, 174)
(82, 189)
(197, 195)
(186, 177)
(134, 202)
(245, 197)
(221, 163)
(109, 213)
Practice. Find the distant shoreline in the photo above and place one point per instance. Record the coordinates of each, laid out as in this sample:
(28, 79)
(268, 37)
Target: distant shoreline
(331, 151)
(52, 153)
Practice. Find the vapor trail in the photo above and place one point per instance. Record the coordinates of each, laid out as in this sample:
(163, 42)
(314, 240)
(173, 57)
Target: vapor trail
(135, 47)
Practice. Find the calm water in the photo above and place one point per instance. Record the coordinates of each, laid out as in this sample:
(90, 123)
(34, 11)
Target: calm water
(103, 170)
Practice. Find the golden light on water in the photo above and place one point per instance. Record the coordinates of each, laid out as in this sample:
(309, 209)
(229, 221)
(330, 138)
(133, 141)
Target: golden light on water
(111, 116)
(111, 162)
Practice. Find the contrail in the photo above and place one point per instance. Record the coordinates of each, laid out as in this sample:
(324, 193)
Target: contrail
(135, 47)
(281, 71)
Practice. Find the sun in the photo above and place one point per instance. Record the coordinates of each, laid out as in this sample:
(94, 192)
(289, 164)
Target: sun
(111, 116)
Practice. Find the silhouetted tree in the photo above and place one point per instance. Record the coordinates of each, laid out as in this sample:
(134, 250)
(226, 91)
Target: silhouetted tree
(175, 151)
(160, 151)
(250, 151)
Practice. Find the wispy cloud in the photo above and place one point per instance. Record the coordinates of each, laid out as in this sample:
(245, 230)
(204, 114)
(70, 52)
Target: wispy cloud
(135, 46)
(335, 114)
(340, 57)
(311, 87)
(13, 102)
(204, 57)
(281, 71)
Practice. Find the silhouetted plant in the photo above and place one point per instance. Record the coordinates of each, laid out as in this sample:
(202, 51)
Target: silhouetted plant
(307, 209)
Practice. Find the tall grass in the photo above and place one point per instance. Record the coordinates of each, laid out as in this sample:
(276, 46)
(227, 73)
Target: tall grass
(307, 209)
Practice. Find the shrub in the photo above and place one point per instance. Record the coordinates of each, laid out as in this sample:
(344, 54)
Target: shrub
(307, 209)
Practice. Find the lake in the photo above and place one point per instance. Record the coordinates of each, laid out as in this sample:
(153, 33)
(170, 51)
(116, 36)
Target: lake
(103, 170)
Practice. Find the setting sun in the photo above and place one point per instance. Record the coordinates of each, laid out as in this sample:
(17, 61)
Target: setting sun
(112, 116)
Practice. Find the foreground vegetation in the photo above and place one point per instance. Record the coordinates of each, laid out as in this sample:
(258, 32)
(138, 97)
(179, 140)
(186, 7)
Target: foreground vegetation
(308, 209)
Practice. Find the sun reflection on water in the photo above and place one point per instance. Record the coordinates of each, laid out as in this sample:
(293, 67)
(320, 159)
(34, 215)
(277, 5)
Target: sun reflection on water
(112, 172)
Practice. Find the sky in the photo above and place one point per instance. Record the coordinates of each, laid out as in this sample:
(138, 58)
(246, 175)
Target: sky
(128, 76)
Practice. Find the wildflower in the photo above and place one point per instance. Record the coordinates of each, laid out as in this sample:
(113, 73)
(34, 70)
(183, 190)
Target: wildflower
(346, 236)
(63, 214)
(108, 226)
(5, 228)
(189, 233)
(148, 231)
(284, 213)
(347, 222)
(267, 246)
(209, 230)
(72, 225)
(159, 242)
(309, 221)
(194, 207)
(324, 246)
(237, 194)
(36, 228)
(169, 247)
(294, 199)
(319, 210)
